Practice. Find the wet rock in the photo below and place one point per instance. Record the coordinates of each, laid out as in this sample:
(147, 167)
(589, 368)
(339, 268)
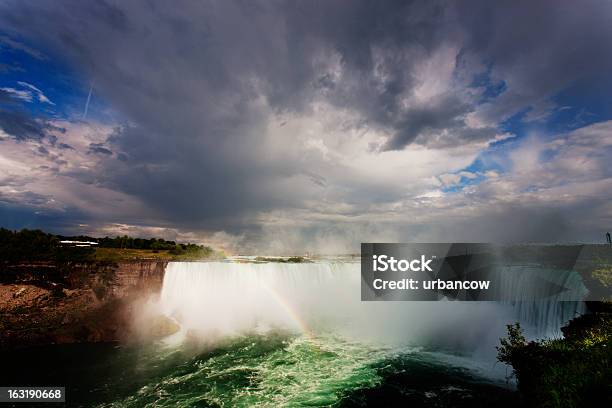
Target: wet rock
(162, 326)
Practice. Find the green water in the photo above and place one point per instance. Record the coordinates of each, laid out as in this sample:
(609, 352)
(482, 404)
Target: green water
(271, 370)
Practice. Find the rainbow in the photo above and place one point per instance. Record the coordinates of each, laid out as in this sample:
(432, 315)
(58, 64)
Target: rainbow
(290, 310)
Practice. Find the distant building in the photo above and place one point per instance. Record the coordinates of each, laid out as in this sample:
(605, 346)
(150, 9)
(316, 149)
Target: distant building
(78, 243)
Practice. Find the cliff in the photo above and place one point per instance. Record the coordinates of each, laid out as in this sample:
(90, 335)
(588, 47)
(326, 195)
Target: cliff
(45, 303)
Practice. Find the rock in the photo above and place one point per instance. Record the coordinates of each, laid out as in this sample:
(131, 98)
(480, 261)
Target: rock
(19, 292)
(66, 309)
(162, 326)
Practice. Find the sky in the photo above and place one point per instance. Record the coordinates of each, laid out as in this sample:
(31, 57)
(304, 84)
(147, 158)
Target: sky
(291, 127)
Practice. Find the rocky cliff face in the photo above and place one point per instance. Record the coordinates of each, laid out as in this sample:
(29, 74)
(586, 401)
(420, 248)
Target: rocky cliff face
(138, 277)
(91, 302)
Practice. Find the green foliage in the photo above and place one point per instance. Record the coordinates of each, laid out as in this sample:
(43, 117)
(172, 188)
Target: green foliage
(570, 372)
(191, 251)
(126, 242)
(604, 276)
(515, 342)
(35, 245)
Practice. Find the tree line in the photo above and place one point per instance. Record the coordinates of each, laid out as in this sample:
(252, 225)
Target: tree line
(37, 245)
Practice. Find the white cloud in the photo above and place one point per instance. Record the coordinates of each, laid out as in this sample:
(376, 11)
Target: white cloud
(22, 94)
(277, 125)
(449, 179)
(28, 93)
(468, 175)
(572, 195)
(431, 194)
(40, 95)
(46, 175)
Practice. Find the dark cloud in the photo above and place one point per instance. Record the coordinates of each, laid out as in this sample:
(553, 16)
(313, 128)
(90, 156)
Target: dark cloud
(539, 48)
(188, 70)
(22, 126)
(7, 42)
(99, 148)
(27, 215)
(428, 121)
(65, 146)
(6, 97)
(198, 83)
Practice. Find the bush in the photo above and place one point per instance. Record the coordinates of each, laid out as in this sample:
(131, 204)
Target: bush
(570, 372)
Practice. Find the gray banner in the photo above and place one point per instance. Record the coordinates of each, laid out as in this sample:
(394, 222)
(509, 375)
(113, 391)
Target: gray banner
(485, 272)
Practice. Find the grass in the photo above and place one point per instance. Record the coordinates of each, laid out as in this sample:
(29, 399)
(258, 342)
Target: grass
(118, 255)
(126, 255)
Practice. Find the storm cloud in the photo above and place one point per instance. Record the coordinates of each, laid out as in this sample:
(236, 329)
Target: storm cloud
(21, 125)
(325, 121)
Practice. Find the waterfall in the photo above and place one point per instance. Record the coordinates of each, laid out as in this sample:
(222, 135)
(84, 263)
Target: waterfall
(227, 298)
(533, 305)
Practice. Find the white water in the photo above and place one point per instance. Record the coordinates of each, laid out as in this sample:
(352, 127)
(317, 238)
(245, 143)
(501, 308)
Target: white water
(226, 298)
(528, 283)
